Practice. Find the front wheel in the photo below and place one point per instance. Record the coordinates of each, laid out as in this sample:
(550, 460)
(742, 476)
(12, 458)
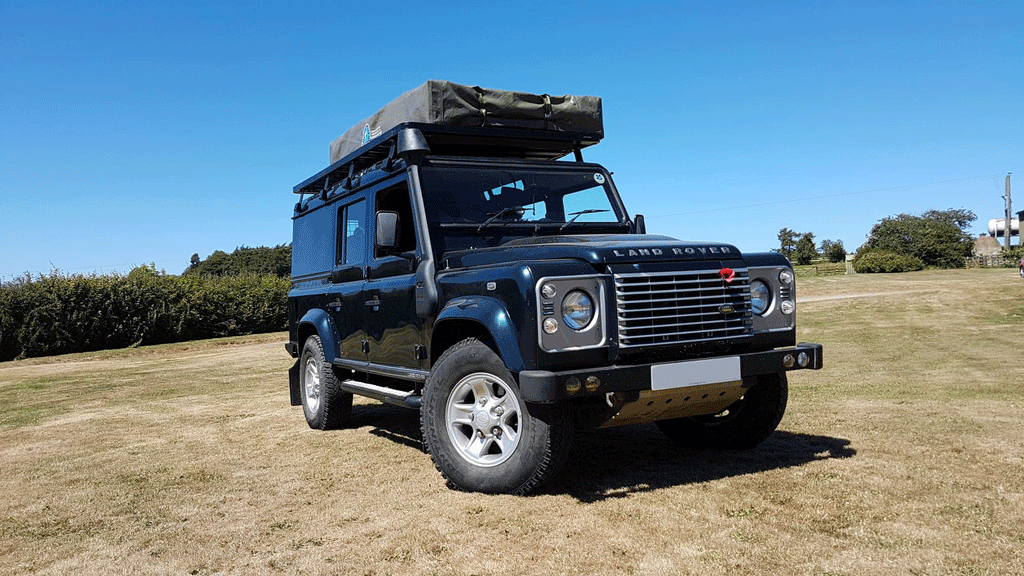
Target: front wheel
(480, 433)
(744, 424)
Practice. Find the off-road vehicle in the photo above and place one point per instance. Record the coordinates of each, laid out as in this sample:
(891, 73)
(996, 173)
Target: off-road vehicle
(449, 260)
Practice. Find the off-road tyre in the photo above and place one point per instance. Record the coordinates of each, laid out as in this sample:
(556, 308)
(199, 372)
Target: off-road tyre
(519, 449)
(744, 424)
(324, 404)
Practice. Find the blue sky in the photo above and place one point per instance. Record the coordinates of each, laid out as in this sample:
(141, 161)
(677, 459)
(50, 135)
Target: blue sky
(136, 133)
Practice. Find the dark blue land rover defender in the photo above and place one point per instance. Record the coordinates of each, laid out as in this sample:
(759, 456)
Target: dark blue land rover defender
(451, 261)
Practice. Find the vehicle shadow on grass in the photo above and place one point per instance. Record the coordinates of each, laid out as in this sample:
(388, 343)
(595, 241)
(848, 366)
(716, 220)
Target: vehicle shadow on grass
(400, 425)
(617, 462)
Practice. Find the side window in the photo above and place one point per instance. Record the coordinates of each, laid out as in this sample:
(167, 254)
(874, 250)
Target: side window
(396, 199)
(352, 233)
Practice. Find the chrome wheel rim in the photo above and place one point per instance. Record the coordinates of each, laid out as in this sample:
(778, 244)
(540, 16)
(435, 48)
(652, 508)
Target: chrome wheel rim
(484, 419)
(311, 383)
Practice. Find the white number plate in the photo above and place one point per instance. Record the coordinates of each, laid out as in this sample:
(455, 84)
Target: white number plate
(695, 373)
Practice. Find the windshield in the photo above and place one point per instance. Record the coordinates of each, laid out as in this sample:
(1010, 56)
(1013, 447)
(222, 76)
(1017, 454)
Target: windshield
(493, 197)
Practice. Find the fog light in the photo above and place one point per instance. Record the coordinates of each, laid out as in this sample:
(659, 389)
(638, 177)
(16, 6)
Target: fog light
(550, 325)
(803, 359)
(788, 361)
(787, 306)
(572, 386)
(593, 383)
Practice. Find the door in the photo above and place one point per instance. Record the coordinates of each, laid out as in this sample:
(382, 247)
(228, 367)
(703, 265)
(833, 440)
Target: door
(393, 330)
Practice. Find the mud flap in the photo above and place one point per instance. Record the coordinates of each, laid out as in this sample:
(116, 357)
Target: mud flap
(293, 384)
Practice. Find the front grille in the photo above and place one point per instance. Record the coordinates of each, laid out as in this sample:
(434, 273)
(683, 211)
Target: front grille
(662, 308)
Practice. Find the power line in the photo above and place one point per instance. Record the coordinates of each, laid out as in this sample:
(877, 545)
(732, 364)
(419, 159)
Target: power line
(791, 200)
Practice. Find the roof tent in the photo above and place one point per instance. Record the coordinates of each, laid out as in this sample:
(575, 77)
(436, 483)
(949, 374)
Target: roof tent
(444, 103)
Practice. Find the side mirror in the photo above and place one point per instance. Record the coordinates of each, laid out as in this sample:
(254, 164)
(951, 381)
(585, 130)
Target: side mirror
(387, 230)
(640, 227)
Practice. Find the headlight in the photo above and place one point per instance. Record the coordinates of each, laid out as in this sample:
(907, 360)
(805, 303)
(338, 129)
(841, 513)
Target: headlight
(577, 309)
(760, 297)
(569, 313)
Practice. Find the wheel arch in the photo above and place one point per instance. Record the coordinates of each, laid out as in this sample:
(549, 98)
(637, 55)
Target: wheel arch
(317, 321)
(477, 317)
(314, 322)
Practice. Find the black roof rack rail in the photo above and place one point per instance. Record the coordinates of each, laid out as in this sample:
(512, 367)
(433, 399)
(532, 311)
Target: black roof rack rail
(479, 141)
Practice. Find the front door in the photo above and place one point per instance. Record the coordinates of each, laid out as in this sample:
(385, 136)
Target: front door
(393, 330)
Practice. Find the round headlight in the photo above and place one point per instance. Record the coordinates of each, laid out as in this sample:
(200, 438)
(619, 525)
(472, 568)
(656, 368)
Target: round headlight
(577, 309)
(760, 297)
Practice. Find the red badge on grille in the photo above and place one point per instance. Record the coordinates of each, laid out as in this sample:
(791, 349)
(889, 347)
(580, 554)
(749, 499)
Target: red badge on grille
(727, 274)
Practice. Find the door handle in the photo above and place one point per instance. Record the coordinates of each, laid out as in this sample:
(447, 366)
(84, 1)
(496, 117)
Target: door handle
(373, 302)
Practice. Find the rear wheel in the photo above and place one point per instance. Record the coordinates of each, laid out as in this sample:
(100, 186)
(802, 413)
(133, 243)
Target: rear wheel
(479, 432)
(325, 405)
(744, 424)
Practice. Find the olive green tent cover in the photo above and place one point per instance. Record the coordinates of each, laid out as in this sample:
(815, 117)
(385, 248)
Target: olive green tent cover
(448, 103)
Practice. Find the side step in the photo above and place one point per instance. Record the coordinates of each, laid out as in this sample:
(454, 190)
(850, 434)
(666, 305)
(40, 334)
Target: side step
(386, 395)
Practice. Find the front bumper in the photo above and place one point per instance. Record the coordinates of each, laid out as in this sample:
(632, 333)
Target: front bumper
(541, 386)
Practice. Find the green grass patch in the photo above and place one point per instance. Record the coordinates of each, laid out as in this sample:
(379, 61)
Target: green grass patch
(20, 416)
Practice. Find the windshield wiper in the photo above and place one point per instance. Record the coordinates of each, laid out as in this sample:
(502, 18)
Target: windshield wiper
(576, 215)
(497, 215)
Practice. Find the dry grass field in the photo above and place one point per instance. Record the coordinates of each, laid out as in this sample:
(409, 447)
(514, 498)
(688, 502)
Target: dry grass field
(903, 456)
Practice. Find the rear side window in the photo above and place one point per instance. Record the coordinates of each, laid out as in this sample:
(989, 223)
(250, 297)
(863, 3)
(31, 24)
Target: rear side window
(352, 233)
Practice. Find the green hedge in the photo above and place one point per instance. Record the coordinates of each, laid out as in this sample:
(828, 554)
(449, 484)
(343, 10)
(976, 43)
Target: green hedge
(879, 261)
(58, 314)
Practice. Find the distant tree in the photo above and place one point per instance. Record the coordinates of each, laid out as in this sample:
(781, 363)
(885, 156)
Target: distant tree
(787, 242)
(805, 251)
(937, 238)
(245, 260)
(834, 251)
(962, 217)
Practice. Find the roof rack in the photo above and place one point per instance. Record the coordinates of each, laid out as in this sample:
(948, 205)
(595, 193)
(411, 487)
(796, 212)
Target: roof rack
(476, 141)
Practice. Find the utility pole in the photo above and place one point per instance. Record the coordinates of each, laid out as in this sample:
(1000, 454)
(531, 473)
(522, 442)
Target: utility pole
(1009, 213)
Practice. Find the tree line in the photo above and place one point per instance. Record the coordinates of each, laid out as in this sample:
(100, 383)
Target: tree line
(901, 243)
(800, 248)
(244, 260)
